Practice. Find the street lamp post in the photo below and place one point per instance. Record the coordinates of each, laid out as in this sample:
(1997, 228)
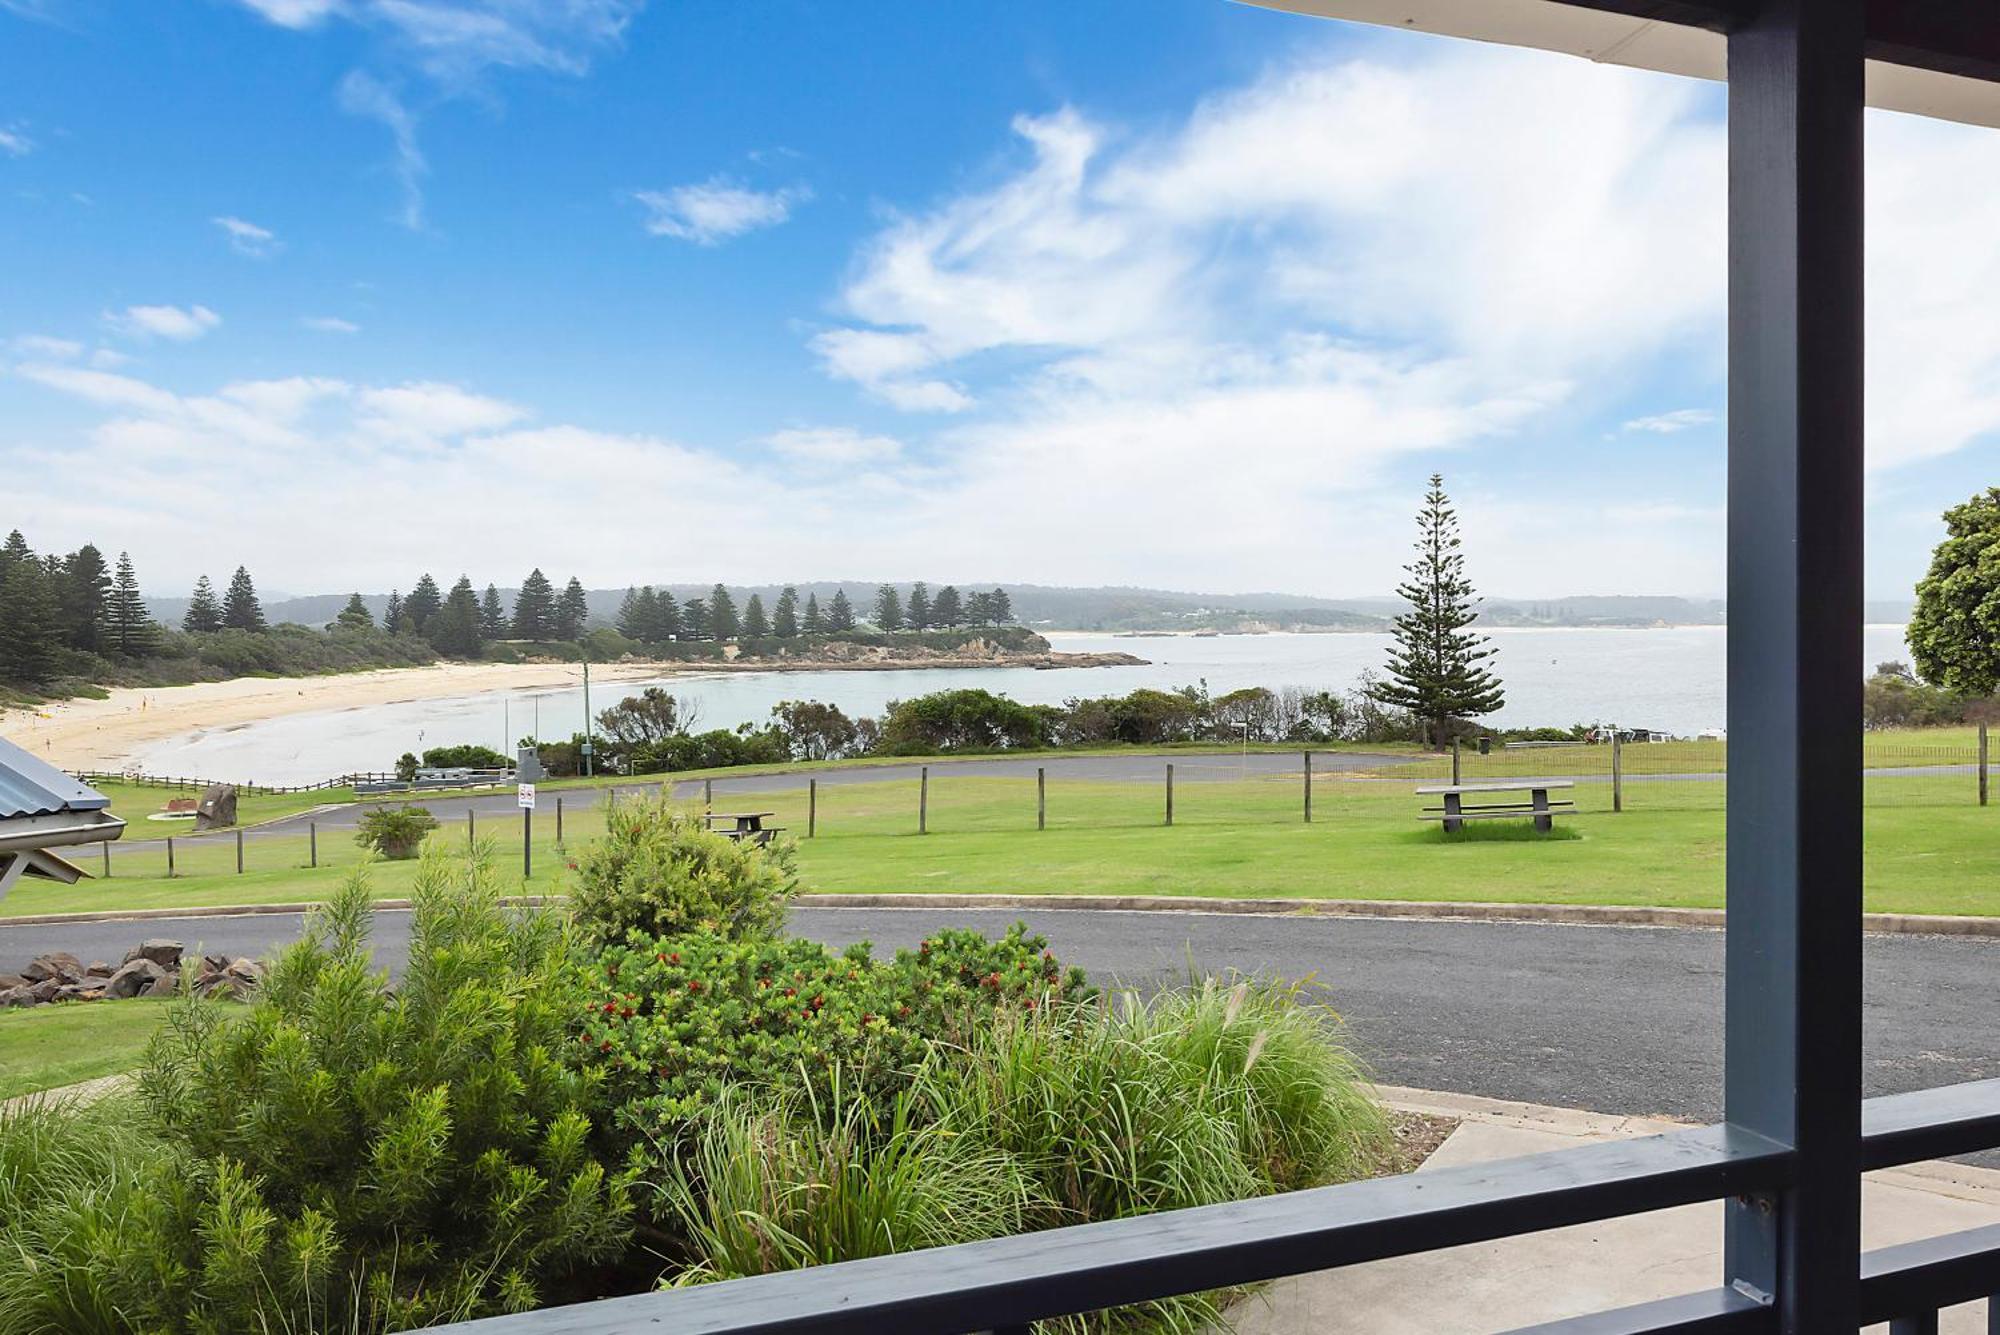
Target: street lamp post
(586, 709)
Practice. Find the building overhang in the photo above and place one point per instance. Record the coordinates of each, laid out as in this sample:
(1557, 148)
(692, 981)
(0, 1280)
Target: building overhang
(1937, 58)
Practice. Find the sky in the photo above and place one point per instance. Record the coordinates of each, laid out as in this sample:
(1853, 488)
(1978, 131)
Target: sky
(1174, 293)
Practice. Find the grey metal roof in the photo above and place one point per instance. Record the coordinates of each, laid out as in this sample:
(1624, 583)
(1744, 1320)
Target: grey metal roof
(31, 787)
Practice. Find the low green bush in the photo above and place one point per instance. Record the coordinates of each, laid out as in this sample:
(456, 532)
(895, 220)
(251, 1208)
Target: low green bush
(659, 872)
(397, 833)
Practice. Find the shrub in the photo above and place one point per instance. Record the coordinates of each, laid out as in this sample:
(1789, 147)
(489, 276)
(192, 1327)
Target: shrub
(396, 1157)
(468, 755)
(395, 832)
(657, 872)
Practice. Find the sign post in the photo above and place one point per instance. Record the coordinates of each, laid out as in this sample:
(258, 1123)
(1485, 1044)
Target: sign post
(524, 794)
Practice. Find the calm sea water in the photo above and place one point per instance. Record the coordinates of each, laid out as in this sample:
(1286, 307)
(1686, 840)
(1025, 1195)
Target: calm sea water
(1671, 679)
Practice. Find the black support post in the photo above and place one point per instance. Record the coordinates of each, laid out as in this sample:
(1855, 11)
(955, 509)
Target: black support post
(1793, 1023)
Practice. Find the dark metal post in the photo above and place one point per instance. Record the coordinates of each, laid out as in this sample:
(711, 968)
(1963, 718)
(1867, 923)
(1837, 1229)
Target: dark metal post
(1454, 762)
(559, 837)
(1309, 787)
(527, 842)
(107, 859)
(239, 851)
(1617, 772)
(471, 829)
(170, 857)
(1041, 797)
(707, 795)
(312, 841)
(1982, 764)
(812, 808)
(1170, 792)
(924, 800)
(1793, 1018)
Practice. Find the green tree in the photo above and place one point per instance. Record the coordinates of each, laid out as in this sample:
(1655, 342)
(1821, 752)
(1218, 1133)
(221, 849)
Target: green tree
(695, 620)
(785, 621)
(917, 611)
(354, 616)
(204, 610)
(492, 616)
(979, 609)
(240, 608)
(947, 611)
(84, 591)
(840, 613)
(888, 608)
(813, 623)
(1955, 630)
(535, 608)
(30, 615)
(755, 625)
(129, 628)
(455, 628)
(572, 610)
(393, 619)
(666, 618)
(631, 617)
(722, 622)
(1002, 607)
(423, 603)
(1436, 669)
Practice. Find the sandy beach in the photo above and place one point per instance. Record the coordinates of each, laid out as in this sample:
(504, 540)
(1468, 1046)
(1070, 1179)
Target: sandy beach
(104, 734)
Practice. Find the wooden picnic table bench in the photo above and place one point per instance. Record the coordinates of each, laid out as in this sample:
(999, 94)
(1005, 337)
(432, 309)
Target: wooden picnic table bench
(1454, 811)
(744, 825)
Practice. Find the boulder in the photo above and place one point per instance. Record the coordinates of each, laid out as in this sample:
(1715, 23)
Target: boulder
(10, 981)
(59, 965)
(217, 807)
(91, 991)
(46, 989)
(16, 996)
(166, 954)
(99, 969)
(164, 986)
(136, 977)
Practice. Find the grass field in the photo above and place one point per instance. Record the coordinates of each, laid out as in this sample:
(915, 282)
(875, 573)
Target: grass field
(1929, 848)
(50, 1046)
(134, 802)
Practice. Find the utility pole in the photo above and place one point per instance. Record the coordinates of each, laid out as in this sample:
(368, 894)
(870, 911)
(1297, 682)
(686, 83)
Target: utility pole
(586, 708)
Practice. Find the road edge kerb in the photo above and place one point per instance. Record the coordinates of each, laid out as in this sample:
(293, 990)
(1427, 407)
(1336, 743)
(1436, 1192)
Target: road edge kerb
(1578, 915)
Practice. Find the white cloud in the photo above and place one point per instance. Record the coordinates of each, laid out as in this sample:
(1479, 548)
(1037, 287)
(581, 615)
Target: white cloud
(295, 13)
(172, 322)
(455, 40)
(42, 345)
(823, 446)
(716, 209)
(14, 141)
(247, 238)
(428, 410)
(1668, 423)
(329, 324)
(363, 95)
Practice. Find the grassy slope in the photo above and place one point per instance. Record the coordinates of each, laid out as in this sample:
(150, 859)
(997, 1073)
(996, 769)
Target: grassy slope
(1929, 849)
(51, 1046)
(135, 802)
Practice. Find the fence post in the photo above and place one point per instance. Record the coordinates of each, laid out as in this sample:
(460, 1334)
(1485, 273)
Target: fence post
(170, 857)
(559, 837)
(707, 796)
(239, 850)
(812, 808)
(1617, 772)
(1309, 787)
(471, 829)
(1982, 764)
(1454, 762)
(312, 840)
(924, 800)
(107, 859)
(1041, 797)
(1170, 792)
(527, 842)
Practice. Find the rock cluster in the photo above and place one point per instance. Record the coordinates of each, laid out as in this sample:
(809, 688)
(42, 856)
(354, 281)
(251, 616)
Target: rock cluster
(150, 969)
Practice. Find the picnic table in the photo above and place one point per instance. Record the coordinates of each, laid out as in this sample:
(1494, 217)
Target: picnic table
(741, 825)
(1455, 811)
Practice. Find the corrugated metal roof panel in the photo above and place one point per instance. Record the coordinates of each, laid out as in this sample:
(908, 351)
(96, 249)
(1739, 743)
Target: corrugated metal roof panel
(31, 787)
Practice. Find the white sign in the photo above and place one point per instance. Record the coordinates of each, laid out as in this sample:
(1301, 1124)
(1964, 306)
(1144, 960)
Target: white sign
(525, 795)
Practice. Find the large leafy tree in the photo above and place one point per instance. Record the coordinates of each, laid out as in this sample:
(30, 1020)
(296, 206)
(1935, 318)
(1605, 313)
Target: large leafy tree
(1955, 630)
(204, 610)
(422, 604)
(535, 608)
(129, 628)
(572, 610)
(785, 619)
(1436, 670)
(240, 608)
(888, 608)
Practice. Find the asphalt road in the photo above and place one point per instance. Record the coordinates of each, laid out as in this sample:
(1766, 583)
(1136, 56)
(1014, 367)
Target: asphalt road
(1615, 1019)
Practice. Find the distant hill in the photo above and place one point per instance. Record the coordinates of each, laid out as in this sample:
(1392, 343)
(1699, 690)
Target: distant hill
(1116, 608)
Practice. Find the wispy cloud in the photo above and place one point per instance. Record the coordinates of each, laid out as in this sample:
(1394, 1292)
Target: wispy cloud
(247, 238)
(1668, 423)
(181, 324)
(717, 209)
(833, 446)
(14, 141)
(44, 345)
(295, 13)
(362, 94)
(455, 41)
(329, 324)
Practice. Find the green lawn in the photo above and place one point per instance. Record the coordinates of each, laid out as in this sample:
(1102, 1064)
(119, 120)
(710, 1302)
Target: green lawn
(47, 1047)
(1930, 849)
(136, 801)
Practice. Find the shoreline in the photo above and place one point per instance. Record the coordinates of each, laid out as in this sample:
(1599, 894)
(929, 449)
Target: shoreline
(86, 734)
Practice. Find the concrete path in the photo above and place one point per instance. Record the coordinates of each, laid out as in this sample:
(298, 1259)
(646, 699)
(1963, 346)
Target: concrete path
(1500, 1286)
(1623, 1020)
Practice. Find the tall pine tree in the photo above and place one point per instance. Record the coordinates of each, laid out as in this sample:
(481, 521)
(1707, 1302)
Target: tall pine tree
(722, 621)
(694, 620)
(128, 627)
(204, 610)
(572, 610)
(454, 630)
(492, 616)
(84, 593)
(840, 613)
(354, 616)
(917, 611)
(888, 608)
(30, 615)
(1002, 607)
(240, 608)
(785, 620)
(392, 615)
(1436, 669)
(755, 625)
(535, 608)
(423, 603)
(813, 623)
(946, 611)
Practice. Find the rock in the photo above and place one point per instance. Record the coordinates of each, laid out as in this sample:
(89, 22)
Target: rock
(16, 996)
(246, 970)
(10, 981)
(45, 990)
(99, 969)
(59, 965)
(166, 954)
(217, 807)
(166, 986)
(92, 991)
(135, 977)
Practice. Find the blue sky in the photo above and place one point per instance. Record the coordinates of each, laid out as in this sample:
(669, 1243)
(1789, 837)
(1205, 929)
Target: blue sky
(1169, 292)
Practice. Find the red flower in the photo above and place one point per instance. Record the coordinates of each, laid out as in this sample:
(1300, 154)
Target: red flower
(763, 982)
(791, 991)
(694, 984)
(674, 958)
(868, 1017)
(605, 1045)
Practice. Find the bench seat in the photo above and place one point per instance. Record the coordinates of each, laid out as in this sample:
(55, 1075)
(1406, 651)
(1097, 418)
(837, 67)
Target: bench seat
(1490, 813)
